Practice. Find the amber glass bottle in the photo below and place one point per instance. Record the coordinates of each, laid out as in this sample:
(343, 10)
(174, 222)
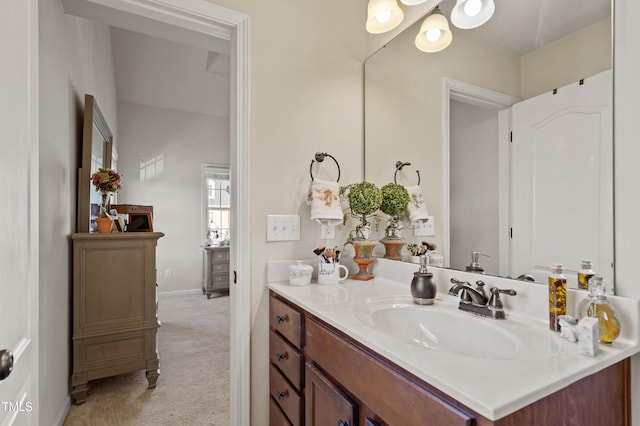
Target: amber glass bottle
(557, 296)
(584, 275)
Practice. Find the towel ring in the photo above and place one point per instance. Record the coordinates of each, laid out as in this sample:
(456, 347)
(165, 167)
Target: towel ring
(319, 157)
(399, 166)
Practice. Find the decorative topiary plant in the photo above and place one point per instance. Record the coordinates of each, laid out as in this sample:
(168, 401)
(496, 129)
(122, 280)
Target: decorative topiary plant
(395, 199)
(364, 200)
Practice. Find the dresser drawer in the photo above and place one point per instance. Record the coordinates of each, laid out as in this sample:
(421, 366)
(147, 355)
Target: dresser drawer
(216, 280)
(286, 396)
(287, 321)
(219, 255)
(276, 416)
(286, 358)
(218, 268)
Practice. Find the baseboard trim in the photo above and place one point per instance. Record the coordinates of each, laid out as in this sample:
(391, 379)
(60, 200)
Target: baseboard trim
(62, 415)
(180, 292)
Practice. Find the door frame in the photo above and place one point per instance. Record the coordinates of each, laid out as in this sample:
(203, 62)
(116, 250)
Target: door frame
(468, 93)
(210, 20)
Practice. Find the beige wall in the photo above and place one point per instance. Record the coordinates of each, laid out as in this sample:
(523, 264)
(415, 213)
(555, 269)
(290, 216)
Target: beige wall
(306, 96)
(627, 172)
(75, 58)
(403, 107)
(185, 140)
(579, 55)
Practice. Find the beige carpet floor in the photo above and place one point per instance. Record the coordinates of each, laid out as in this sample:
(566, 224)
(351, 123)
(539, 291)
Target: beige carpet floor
(193, 387)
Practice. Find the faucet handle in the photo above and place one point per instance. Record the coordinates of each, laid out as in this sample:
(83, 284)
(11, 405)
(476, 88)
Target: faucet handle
(457, 281)
(495, 302)
(457, 285)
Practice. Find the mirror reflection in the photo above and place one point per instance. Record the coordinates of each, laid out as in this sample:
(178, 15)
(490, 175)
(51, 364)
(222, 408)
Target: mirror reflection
(97, 141)
(544, 198)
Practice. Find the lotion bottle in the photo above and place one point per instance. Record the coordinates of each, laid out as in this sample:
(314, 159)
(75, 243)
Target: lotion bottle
(557, 296)
(598, 306)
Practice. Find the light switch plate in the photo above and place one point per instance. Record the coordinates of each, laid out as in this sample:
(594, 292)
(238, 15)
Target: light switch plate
(424, 228)
(282, 227)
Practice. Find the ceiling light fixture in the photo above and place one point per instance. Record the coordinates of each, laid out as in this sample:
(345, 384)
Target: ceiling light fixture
(412, 2)
(467, 14)
(383, 16)
(434, 34)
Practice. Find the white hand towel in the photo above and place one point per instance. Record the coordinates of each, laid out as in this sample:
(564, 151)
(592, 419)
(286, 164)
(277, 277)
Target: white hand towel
(324, 198)
(416, 207)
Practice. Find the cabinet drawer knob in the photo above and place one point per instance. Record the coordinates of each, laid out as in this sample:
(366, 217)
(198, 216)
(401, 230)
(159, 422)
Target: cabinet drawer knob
(281, 318)
(343, 423)
(281, 395)
(280, 357)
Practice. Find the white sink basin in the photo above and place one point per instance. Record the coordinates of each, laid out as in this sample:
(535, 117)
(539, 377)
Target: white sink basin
(447, 329)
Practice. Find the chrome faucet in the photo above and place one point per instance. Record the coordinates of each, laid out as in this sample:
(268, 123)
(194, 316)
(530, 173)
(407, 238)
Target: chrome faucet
(475, 300)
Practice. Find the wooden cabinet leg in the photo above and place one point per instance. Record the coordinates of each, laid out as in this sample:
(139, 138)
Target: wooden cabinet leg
(79, 393)
(79, 387)
(153, 372)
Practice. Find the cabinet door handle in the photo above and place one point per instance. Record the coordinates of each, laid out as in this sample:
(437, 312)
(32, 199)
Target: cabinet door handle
(370, 422)
(343, 423)
(281, 395)
(280, 357)
(281, 318)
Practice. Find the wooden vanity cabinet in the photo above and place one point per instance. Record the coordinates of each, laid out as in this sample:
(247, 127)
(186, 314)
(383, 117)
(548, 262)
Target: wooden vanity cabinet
(347, 382)
(286, 370)
(389, 396)
(115, 317)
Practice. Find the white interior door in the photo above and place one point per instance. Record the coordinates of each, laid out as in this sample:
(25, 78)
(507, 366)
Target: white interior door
(562, 191)
(18, 234)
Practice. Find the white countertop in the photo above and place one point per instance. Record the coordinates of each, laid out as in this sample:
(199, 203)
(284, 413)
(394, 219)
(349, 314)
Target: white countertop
(493, 388)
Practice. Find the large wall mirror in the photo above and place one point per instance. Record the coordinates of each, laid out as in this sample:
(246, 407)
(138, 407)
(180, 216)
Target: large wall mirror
(513, 147)
(97, 141)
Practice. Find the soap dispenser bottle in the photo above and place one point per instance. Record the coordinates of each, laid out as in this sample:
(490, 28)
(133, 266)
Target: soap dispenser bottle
(557, 296)
(475, 263)
(598, 306)
(423, 287)
(584, 274)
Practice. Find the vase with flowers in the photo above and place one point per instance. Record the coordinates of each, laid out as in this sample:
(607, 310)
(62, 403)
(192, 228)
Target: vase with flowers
(105, 181)
(395, 199)
(364, 201)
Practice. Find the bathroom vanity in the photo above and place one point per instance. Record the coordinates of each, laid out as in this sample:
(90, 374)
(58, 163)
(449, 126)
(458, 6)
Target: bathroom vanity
(352, 363)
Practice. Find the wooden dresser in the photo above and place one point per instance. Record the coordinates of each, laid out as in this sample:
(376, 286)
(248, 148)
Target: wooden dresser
(115, 317)
(215, 271)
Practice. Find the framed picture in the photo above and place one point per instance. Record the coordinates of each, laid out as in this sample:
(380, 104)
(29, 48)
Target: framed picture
(140, 222)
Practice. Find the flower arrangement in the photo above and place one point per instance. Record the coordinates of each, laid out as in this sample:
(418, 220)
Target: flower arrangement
(395, 199)
(106, 180)
(364, 200)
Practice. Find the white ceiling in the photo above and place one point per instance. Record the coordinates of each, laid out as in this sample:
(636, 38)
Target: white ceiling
(525, 25)
(166, 74)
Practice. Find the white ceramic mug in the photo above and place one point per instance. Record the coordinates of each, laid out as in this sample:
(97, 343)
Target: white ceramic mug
(329, 273)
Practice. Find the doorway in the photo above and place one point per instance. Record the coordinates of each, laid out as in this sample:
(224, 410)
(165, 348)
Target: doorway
(494, 104)
(206, 22)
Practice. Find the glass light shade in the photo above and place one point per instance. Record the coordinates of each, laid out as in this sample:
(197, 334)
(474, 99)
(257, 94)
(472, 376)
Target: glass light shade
(427, 40)
(383, 16)
(412, 2)
(461, 19)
